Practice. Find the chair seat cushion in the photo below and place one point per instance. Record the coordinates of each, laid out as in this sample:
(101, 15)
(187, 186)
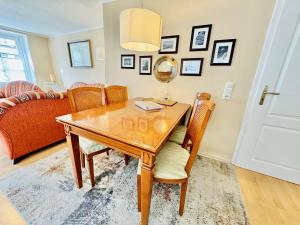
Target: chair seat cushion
(89, 146)
(170, 162)
(178, 135)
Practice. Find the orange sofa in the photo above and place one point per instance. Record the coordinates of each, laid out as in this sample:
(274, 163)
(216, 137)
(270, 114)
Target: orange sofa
(27, 118)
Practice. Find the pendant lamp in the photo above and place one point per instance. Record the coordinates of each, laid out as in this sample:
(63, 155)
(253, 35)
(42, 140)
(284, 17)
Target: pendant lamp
(140, 30)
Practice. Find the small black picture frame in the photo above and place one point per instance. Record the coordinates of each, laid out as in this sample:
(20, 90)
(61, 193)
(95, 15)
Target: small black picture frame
(145, 65)
(169, 44)
(201, 41)
(222, 53)
(127, 61)
(191, 66)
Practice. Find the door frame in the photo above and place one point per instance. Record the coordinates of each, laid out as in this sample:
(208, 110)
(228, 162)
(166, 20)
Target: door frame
(255, 90)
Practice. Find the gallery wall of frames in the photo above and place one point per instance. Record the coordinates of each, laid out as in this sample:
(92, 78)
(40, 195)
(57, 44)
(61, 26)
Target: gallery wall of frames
(221, 54)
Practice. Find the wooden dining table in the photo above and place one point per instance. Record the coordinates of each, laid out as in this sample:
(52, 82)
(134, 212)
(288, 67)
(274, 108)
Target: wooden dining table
(126, 128)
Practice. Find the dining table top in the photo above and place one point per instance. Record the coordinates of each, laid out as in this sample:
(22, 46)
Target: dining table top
(128, 123)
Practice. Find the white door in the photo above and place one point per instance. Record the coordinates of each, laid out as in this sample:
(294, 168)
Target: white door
(269, 141)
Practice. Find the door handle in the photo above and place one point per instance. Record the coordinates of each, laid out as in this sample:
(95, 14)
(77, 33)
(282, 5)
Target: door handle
(264, 93)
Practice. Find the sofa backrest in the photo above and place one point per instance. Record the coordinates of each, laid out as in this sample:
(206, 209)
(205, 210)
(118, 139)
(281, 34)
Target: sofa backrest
(13, 101)
(18, 87)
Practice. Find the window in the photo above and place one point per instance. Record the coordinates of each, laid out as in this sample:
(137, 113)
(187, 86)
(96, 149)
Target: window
(15, 60)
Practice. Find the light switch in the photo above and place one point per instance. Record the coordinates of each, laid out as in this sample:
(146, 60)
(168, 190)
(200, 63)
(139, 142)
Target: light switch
(228, 88)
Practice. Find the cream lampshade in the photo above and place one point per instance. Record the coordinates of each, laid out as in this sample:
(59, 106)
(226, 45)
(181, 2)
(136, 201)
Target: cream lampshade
(140, 30)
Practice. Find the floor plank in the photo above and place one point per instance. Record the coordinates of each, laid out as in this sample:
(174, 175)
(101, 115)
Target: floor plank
(269, 201)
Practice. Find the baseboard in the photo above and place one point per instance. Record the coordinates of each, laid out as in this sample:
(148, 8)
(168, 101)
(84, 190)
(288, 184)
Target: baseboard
(215, 157)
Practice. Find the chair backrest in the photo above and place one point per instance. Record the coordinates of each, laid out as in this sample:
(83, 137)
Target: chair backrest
(116, 94)
(83, 98)
(18, 87)
(199, 96)
(196, 129)
(82, 84)
(203, 96)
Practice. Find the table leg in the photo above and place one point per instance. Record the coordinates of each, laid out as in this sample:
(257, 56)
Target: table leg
(74, 150)
(146, 186)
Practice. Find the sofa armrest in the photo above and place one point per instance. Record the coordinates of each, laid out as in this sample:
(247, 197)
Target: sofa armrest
(5, 143)
(32, 125)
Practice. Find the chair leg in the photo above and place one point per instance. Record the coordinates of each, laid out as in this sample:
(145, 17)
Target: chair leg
(182, 197)
(138, 181)
(82, 158)
(107, 152)
(91, 170)
(126, 157)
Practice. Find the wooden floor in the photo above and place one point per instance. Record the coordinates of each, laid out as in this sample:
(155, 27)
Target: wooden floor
(268, 201)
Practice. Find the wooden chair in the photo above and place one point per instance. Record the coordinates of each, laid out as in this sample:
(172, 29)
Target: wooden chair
(179, 133)
(115, 94)
(83, 98)
(174, 163)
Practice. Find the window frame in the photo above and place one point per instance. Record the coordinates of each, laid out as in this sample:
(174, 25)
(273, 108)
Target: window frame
(24, 52)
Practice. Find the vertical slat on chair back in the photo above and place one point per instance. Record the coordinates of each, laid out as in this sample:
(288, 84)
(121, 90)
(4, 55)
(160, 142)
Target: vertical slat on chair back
(196, 128)
(84, 98)
(116, 94)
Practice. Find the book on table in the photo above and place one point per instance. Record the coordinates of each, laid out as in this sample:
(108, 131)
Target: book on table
(148, 105)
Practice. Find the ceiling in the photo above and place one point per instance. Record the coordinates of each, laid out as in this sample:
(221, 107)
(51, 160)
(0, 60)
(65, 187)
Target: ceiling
(51, 17)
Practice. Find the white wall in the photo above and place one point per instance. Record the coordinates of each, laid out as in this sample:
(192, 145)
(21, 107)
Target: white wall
(66, 75)
(40, 55)
(244, 20)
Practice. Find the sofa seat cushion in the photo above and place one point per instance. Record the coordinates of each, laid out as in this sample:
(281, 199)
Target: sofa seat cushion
(170, 162)
(89, 146)
(178, 135)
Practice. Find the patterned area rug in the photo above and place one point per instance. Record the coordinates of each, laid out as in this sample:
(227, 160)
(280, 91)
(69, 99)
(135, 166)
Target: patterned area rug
(44, 194)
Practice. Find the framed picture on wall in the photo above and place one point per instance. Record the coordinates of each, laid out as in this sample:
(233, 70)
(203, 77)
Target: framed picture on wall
(127, 61)
(200, 37)
(191, 66)
(169, 44)
(222, 52)
(80, 54)
(146, 65)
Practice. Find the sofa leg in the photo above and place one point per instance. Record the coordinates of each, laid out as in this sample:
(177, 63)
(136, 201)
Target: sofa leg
(15, 161)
